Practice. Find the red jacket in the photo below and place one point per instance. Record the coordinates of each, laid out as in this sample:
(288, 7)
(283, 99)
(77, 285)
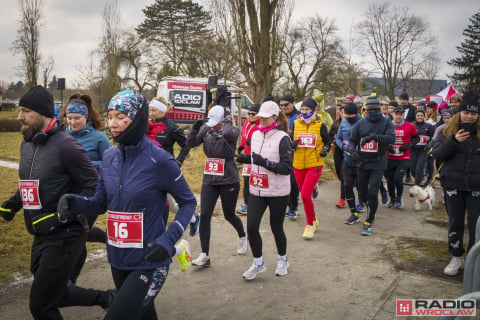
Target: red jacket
(247, 130)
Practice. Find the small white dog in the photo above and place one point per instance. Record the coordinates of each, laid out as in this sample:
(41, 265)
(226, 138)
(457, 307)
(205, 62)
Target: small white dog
(423, 195)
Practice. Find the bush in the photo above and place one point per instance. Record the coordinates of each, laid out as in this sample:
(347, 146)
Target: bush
(9, 125)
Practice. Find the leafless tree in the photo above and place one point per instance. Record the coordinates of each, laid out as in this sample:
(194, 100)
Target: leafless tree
(28, 38)
(311, 52)
(47, 69)
(259, 29)
(393, 36)
(93, 77)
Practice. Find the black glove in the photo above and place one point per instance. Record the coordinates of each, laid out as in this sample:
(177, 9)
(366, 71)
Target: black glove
(240, 149)
(294, 143)
(259, 160)
(324, 152)
(8, 210)
(404, 147)
(391, 149)
(367, 139)
(355, 156)
(244, 158)
(197, 124)
(157, 254)
(64, 207)
(248, 142)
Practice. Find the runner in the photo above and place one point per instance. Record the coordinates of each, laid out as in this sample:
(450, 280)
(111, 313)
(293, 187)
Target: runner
(135, 178)
(269, 186)
(220, 177)
(52, 163)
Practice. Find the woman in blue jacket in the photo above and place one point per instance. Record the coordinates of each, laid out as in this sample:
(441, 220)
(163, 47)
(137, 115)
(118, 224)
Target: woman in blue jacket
(135, 178)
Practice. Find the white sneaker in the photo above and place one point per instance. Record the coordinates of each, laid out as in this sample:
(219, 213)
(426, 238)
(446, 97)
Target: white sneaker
(242, 245)
(455, 264)
(252, 272)
(202, 261)
(282, 267)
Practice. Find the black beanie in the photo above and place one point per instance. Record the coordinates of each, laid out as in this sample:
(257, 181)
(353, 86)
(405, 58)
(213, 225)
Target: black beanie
(470, 102)
(254, 108)
(287, 97)
(39, 100)
(309, 102)
(372, 103)
(350, 108)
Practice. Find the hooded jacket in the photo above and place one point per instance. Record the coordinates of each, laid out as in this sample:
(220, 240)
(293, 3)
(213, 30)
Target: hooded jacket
(171, 135)
(343, 137)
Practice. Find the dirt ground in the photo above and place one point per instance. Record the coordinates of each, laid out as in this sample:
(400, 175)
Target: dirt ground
(337, 275)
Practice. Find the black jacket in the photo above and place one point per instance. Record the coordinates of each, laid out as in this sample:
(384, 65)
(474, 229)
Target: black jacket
(411, 113)
(171, 135)
(61, 166)
(461, 162)
(423, 129)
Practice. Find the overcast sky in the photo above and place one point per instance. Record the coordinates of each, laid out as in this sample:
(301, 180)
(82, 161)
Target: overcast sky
(72, 28)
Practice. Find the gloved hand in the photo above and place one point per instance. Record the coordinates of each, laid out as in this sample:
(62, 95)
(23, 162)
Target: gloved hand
(243, 158)
(324, 152)
(355, 156)
(294, 143)
(391, 149)
(248, 142)
(157, 254)
(240, 149)
(8, 210)
(197, 124)
(259, 160)
(368, 138)
(64, 207)
(404, 147)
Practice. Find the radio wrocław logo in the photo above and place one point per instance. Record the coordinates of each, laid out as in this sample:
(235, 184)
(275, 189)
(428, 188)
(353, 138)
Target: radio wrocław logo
(436, 307)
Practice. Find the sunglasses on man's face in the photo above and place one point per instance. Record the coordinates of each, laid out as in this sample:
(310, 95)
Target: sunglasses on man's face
(284, 104)
(252, 114)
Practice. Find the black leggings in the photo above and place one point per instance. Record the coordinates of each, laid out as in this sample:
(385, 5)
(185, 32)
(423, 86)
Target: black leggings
(136, 290)
(338, 161)
(256, 209)
(418, 163)
(246, 188)
(394, 174)
(294, 192)
(208, 199)
(368, 185)
(349, 174)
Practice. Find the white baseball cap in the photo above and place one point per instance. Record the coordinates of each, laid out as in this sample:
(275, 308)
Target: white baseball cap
(215, 116)
(268, 109)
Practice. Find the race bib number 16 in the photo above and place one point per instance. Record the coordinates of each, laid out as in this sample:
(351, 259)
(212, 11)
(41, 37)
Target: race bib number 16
(125, 230)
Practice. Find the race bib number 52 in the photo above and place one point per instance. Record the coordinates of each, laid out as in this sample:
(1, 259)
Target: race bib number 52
(125, 230)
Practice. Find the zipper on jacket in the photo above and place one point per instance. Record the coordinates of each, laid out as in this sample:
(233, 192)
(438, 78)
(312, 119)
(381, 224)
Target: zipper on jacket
(33, 160)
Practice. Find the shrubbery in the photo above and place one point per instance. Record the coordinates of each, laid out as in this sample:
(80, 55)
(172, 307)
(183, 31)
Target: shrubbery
(9, 125)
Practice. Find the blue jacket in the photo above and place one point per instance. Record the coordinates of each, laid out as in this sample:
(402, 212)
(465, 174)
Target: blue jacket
(137, 179)
(93, 141)
(343, 137)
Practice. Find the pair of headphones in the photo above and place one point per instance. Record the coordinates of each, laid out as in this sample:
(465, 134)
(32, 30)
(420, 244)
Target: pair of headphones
(41, 137)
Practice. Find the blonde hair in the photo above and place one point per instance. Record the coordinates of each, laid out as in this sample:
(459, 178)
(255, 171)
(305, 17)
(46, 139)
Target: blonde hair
(164, 101)
(451, 128)
(282, 119)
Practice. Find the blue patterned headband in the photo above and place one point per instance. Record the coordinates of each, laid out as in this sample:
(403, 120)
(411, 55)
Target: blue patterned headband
(77, 107)
(128, 101)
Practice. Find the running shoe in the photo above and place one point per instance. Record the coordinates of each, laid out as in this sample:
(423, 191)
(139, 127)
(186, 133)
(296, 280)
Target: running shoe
(340, 203)
(315, 192)
(308, 232)
(202, 261)
(353, 218)
(194, 226)
(292, 215)
(359, 207)
(184, 258)
(399, 203)
(243, 209)
(282, 267)
(242, 245)
(252, 272)
(455, 264)
(391, 204)
(384, 198)
(367, 229)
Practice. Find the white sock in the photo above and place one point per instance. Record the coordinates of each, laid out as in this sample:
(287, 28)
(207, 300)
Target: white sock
(193, 219)
(284, 258)
(178, 250)
(258, 261)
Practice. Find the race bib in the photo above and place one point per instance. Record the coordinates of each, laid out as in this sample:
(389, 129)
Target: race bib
(371, 146)
(259, 180)
(29, 194)
(307, 140)
(246, 169)
(397, 152)
(423, 141)
(125, 230)
(214, 166)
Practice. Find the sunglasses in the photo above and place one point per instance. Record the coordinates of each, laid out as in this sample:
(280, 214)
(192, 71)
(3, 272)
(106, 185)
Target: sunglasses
(252, 114)
(284, 104)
